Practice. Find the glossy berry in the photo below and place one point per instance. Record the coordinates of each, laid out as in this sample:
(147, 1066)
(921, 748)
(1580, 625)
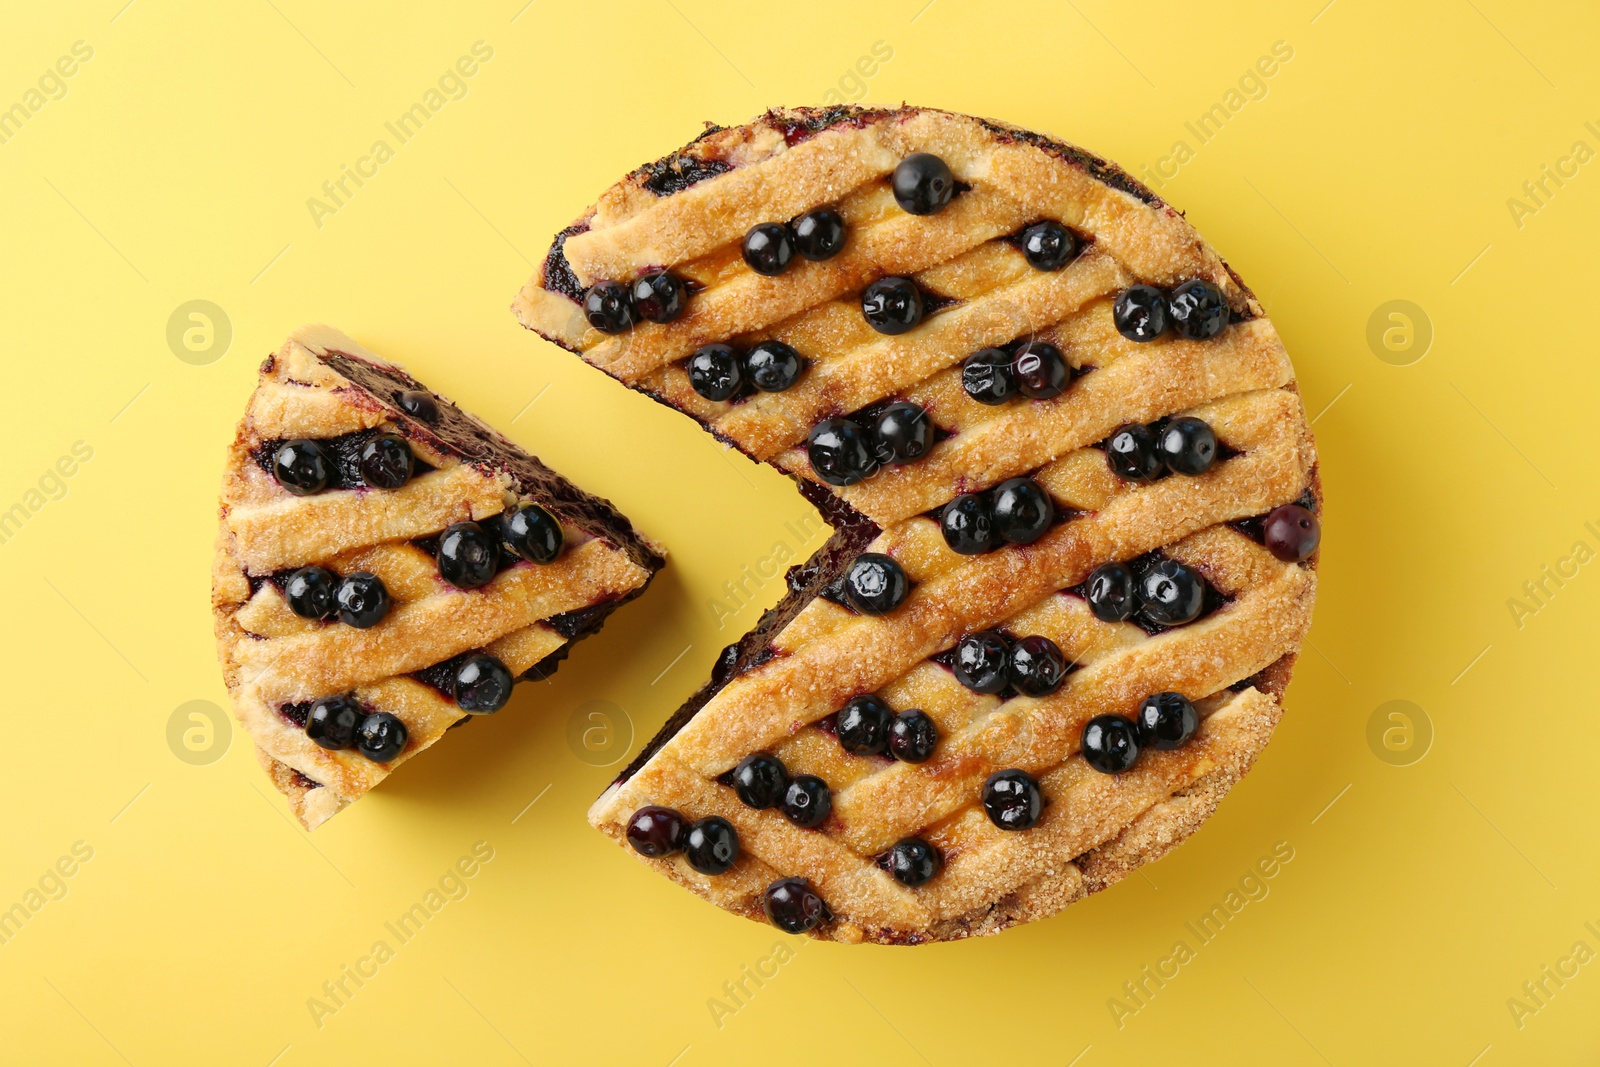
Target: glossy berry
(807, 800)
(532, 532)
(1048, 245)
(903, 433)
(419, 404)
(1166, 721)
(1291, 533)
(769, 248)
(840, 452)
(468, 557)
(482, 684)
(712, 845)
(1022, 510)
(1132, 453)
(1187, 446)
(875, 584)
(1040, 370)
(1012, 799)
(1109, 591)
(1170, 594)
(609, 307)
(302, 467)
(332, 722)
(1110, 743)
(1037, 666)
(760, 780)
(386, 462)
(968, 525)
(1198, 310)
(922, 184)
(793, 906)
(380, 737)
(983, 662)
(773, 366)
(892, 305)
(913, 862)
(1140, 313)
(659, 295)
(362, 600)
(655, 831)
(988, 377)
(309, 592)
(716, 372)
(819, 233)
(863, 726)
(913, 736)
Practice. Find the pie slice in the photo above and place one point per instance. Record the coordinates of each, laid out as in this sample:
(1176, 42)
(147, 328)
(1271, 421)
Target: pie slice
(1074, 499)
(388, 565)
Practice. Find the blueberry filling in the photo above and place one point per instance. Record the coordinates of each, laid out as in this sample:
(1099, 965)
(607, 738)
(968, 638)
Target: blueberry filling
(1183, 445)
(1110, 743)
(892, 305)
(922, 184)
(768, 248)
(760, 780)
(862, 726)
(1048, 245)
(309, 592)
(711, 845)
(1196, 309)
(819, 234)
(609, 307)
(381, 736)
(912, 862)
(655, 831)
(1153, 591)
(793, 906)
(676, 173)
(1018, 511)
(1012, 800)
(659, 296)
(875, 584)
(807, 801)
(361, 599)
(913, 736)
(467, 555)
(336, 462)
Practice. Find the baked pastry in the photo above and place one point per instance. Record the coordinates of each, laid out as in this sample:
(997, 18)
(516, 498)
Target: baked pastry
(1074, 499)
(388, 565)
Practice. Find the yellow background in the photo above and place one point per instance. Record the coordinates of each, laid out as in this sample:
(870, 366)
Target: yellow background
(1377, 167)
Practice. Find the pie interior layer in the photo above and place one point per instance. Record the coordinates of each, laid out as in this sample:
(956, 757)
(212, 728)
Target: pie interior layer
(323, 387)
(779, 688)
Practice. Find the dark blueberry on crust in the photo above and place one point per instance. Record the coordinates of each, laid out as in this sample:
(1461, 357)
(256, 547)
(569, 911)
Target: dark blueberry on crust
(768, 248)
(482, 684)
(1170, 594)
(793, 906)
(1012, 799)
(913, 862)
(1040, 370)
(309, 592)
(922, 184)
(386, 462)
(875, 584)
(361, 599)
(863, 726)
(819, 233)
(760, 780)
(987, 376)
(1132, 453)
(302, 467)
(1037, 666)
(1166, 721)
(532, 532)
(332, 722)
(1109, 591)
(468, 557)
(419, 404)
(1187, 446)
(609, 307)
(1022, 510)
(968, 525)
(892, 305)
(983, 662)
(716, 372)
(711, 845)
(1140, 313)
(903, 433)
(913, 736)
(1048, 245)
(655, 831)
(1110, 743)
(1291, 533)
(1198, 310)
(773, 366)
(840, 452)
(380, 737)
(659, 295)
(807, 800)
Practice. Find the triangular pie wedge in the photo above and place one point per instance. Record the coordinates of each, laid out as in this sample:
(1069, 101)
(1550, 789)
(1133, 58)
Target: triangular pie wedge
(1064, 335)
(347, 483)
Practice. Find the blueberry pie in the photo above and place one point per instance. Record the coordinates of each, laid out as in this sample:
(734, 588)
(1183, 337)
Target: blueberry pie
(388, 565)
(1074, 499)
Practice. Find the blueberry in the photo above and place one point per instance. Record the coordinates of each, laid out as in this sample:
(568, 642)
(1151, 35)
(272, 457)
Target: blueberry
(1291, 533)
(863, 726)
(1040, 369)
(903, 433)
(1140, 313)
(1037, 666)
(913, 862)
(768, 248)
(362, 600)
(875, 584)
(1170, 594)
(983, 662)
(380, 737)
(419, 404)
(712, 845)
(1132, 453)
(773, 366)
(793, 906)
(1012, 799)
(968, 525)
(988, 377)
(301, 466)
(807, 800)
(1166, 721)
(892, 305)
(332, 722)
(1110, 743)
(1022, 510)
(532, 532)
(309, 592)
(655, 831)
(609, 307)
(1187, 446)
(1048, 245)
(913, 736)
(840, 452)
(468, 557)
(760, 780)
(1198, 310)
(922, 184)
(819, 233)
(482, 684)
(1109, 592)
(716, 372)
(386, 462)
(659, 295)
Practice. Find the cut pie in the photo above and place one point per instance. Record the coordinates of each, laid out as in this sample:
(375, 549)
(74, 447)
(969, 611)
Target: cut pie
(1074, 497)
(387, 565)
